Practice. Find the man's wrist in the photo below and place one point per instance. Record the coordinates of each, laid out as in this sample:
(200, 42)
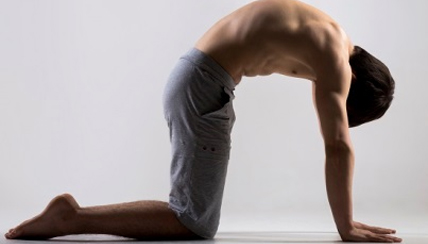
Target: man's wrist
(345, 227)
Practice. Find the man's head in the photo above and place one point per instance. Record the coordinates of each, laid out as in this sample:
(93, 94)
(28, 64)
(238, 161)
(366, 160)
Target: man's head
(372, 88)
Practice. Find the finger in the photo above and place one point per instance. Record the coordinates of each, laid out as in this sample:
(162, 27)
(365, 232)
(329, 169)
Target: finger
(379, 230)
(397, 239)
(393, 239)
(376, 229)
(386, 238)
(378, 238)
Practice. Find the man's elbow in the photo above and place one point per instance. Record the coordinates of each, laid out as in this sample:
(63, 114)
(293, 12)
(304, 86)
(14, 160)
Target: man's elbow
(338, 148)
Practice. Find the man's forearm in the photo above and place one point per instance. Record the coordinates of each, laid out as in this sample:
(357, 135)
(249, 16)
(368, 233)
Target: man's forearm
(339, 170)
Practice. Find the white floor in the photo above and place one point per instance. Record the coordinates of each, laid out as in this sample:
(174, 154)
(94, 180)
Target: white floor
(223, 238)
(254, 229)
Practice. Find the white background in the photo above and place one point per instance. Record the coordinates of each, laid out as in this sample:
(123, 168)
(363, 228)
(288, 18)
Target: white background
(81, 87)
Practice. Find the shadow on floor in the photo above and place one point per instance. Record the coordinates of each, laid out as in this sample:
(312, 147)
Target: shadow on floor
(277, 237)
(221, 238)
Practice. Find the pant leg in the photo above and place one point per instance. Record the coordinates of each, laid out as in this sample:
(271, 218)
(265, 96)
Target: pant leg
(200, 116)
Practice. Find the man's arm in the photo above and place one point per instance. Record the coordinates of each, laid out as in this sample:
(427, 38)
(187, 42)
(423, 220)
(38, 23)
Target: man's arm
(330, 94)
(330, 101)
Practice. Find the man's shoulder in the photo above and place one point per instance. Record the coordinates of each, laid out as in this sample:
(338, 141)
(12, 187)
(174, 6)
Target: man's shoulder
(330, 47)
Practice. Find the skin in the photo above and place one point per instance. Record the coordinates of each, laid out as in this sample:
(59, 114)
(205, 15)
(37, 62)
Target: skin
(264, 37)
(148, 220)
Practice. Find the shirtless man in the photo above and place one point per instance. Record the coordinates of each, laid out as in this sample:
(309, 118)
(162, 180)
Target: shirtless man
(350, 87)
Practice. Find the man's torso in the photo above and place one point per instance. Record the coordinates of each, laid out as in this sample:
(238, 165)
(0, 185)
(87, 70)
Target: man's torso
(273, 36)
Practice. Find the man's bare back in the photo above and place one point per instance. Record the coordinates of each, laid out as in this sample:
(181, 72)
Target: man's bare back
(273, 36)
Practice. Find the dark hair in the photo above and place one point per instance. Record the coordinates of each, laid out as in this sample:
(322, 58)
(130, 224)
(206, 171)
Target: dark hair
(372, 88)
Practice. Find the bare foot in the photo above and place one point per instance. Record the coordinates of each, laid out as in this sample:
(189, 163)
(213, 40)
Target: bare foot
(55, 220)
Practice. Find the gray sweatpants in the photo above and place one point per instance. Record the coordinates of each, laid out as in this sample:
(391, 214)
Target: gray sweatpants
(199, 111)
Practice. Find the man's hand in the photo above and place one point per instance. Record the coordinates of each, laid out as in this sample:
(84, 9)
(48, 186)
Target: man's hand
(365, 233)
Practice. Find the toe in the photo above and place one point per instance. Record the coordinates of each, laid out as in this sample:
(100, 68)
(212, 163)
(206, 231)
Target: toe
(9, 235)
(13, 233)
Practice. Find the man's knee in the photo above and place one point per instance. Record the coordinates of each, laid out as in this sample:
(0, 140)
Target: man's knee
(203, 226)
